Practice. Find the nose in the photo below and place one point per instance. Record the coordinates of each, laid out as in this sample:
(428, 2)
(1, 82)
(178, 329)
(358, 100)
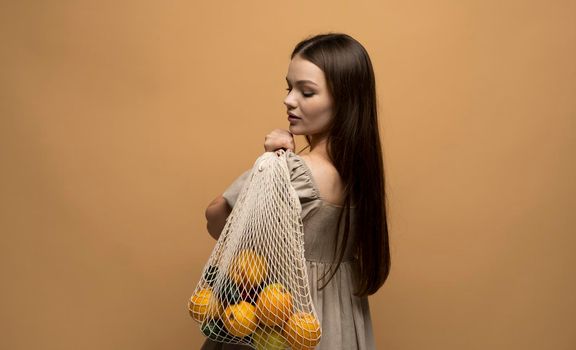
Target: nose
(289, 101)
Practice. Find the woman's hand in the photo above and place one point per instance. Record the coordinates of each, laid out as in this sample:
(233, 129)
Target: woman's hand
(279, 138)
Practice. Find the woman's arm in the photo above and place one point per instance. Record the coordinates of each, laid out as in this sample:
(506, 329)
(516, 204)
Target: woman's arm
(216, 215)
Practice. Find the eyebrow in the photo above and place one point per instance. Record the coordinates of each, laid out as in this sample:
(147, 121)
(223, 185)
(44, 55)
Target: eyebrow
(302, 81)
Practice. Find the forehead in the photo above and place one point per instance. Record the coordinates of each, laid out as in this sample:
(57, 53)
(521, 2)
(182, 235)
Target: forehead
(301, 69)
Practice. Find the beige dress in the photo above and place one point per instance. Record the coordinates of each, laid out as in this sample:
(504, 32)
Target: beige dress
(345, 318)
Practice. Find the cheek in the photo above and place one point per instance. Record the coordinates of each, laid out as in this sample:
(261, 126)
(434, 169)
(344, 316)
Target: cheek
(317, 111)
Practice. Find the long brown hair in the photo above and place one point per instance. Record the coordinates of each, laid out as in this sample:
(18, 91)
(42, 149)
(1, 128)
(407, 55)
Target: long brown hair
(353, 146)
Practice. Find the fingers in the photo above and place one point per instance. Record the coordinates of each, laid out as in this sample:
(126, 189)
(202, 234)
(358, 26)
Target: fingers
(279, 139)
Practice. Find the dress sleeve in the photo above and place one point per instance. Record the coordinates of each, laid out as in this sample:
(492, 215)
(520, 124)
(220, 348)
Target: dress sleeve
(301, 178)
(232, 192)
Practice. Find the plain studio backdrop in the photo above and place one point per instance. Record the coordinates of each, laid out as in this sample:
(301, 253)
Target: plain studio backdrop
(121, 121)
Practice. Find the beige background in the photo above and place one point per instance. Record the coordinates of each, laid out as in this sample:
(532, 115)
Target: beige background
(121, 120)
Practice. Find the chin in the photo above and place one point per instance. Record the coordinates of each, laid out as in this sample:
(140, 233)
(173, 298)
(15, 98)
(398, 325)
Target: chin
(294, 128)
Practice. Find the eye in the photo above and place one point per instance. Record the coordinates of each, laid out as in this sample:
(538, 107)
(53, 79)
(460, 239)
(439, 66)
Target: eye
(309, 94)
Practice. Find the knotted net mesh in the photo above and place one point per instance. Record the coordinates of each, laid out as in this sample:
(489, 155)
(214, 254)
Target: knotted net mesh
(254, 288)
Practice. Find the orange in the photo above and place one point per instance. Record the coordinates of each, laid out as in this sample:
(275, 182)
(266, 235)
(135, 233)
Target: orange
(203, 303)
(274, 305)
(240, 319)
(248, 269)
(269, 339)
(302, 331)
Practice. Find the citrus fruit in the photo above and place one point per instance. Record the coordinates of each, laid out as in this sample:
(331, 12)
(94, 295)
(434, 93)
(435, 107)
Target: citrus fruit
(302, 331)
(274, 305)
(248, 269)
(215, 330)
(268, 339)
(203, 303)
(240, 319)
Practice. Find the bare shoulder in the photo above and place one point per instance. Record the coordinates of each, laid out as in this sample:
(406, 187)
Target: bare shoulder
(327, 179)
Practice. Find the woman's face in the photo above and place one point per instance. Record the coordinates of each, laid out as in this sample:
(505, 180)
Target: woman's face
(308, 98)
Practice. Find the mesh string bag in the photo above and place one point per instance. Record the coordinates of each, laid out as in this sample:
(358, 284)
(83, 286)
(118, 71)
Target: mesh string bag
(254, 287)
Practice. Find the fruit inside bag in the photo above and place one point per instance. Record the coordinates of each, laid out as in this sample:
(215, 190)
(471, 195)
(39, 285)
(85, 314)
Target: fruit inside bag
(254, 288)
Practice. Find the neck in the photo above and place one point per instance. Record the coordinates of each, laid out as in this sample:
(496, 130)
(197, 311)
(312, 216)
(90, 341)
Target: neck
(318, 146)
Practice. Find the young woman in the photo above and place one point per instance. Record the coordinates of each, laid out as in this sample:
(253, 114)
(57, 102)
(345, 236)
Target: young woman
(340, 182)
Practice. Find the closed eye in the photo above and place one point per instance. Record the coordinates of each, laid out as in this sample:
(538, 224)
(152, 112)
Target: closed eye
(309, 94)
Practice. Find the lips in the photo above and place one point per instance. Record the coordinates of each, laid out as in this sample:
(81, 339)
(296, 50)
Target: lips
(292, 119)
(293, 116)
